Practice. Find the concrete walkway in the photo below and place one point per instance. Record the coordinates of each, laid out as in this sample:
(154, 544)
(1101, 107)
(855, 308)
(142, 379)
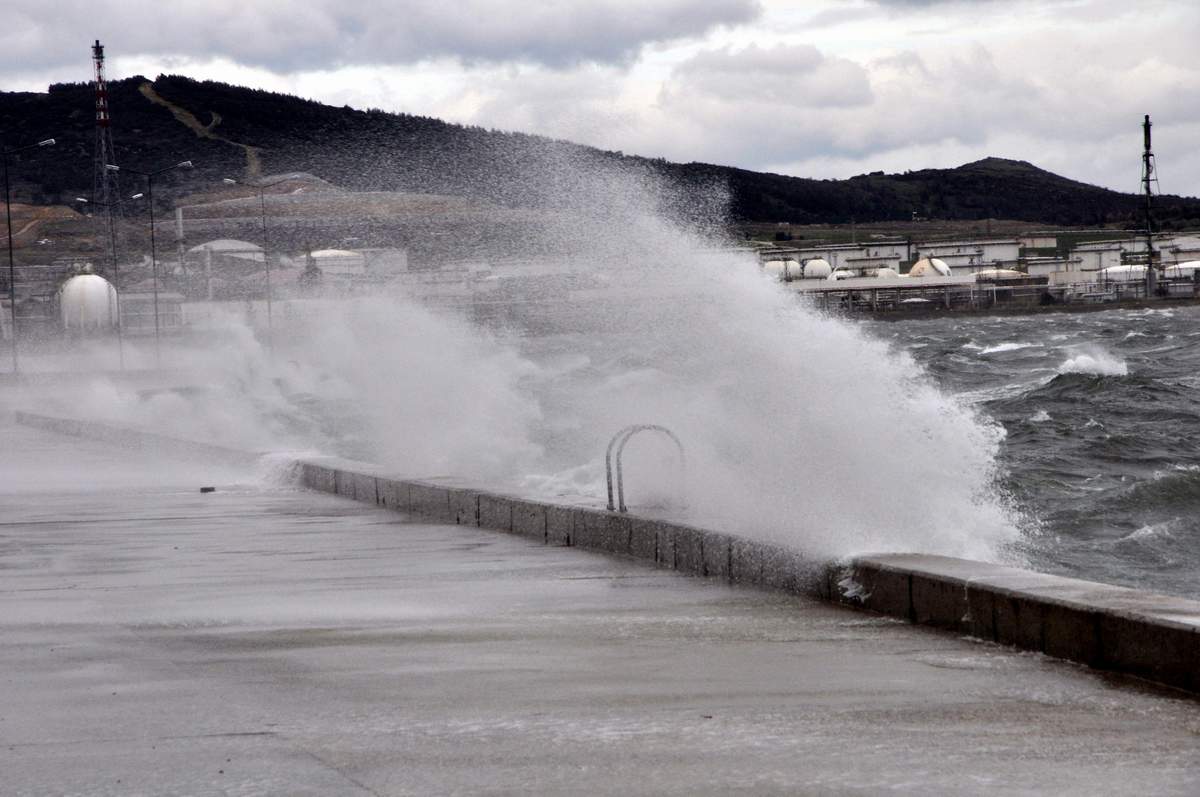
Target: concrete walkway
(264, 640)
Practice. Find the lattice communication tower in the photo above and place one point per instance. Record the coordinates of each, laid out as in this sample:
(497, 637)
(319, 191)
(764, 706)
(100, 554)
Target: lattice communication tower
(1150, 188)
(106, 190)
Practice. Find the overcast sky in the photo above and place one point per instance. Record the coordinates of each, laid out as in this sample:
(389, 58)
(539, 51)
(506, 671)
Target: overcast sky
(828, 88)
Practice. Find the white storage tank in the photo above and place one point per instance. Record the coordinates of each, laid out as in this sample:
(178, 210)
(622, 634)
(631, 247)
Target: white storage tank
(929, 267)
(1182, 271)
(1000, 274)
(817, 269)
(88, 302)
(1123, 274)
(784, 270)
(776, 269)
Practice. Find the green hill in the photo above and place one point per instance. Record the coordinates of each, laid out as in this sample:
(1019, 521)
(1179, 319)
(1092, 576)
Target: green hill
(230, 131)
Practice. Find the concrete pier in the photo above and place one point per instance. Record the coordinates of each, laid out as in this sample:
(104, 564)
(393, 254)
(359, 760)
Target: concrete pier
(264, 639)
(1155, 637)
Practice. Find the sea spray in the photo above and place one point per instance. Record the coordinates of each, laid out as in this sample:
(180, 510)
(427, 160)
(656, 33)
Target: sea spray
(799, 427)
(1093, 360)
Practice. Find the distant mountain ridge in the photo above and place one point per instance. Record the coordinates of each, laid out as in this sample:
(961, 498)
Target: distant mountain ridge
(231, 131)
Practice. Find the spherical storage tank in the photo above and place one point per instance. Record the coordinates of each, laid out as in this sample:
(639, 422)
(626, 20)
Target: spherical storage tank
(88, 301)
(775, 268)
(817, 269)
(783, 270)
(929, 267)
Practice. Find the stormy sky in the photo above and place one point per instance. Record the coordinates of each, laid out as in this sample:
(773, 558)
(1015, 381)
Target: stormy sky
(828, 88)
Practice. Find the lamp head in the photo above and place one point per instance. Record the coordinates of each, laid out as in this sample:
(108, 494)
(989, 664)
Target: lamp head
(183, 165)
(228, 181)
(47, 143)
(112, 167)
(138, 195)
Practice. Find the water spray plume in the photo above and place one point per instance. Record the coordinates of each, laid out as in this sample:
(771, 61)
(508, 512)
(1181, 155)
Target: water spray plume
(626, 305)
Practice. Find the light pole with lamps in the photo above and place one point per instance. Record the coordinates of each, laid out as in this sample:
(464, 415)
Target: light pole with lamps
(153, 253)
(12, 278)
(112, 237)
(261, 187)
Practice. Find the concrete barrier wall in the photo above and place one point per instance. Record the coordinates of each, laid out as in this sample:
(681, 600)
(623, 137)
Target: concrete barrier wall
(1111, 628)
(1155, 637)
(1151, 636)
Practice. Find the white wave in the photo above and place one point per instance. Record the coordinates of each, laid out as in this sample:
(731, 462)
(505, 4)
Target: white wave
(1094, 360)
(987, 394)
(1174, 469)
(1153, 531)
(1041, 416)
(685, 335)
(1003, 347)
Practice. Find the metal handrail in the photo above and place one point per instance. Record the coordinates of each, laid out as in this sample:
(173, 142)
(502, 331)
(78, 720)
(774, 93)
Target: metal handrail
(619, 440)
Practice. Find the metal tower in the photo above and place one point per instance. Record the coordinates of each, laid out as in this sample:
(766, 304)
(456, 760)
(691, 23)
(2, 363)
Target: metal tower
(1149, 185)
(106, 191)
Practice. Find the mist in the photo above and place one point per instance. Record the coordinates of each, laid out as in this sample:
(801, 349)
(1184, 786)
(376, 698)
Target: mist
(624, 303)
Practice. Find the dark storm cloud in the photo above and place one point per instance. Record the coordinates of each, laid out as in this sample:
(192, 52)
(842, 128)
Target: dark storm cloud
(316, 34)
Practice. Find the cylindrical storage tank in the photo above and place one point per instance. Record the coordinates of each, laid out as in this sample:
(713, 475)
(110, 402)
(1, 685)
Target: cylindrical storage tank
(930, 267)
(1182, 271)
(88, 302)
(817, 269)
(886, 273)
(1000, 274)
(1123, 273)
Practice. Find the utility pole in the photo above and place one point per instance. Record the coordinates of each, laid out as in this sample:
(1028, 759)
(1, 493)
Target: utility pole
(1149, 181)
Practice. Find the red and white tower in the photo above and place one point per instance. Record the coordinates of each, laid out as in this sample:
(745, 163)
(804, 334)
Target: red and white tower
(105, 189)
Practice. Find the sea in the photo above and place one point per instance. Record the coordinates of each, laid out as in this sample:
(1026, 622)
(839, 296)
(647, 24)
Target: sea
(1101, 419)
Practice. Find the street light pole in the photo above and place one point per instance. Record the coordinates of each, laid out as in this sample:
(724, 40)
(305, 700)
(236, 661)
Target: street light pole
(262, 205)
(12, 272)
(153, 250)
(116, 270)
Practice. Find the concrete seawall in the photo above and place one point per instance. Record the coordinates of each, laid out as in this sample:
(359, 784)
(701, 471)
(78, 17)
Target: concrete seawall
(1111, 628)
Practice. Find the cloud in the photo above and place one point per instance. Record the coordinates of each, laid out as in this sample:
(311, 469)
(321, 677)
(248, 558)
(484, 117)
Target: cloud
(827, 88)
(783, 74)
(286, 35)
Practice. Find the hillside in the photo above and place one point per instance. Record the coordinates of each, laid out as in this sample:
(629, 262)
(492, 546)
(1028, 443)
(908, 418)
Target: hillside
(230, 131)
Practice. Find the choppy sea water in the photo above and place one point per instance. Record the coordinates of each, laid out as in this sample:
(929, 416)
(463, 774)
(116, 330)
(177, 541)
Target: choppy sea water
(1102, 419)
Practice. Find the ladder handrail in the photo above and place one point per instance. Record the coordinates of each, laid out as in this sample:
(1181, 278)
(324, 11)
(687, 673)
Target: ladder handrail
(619, 440)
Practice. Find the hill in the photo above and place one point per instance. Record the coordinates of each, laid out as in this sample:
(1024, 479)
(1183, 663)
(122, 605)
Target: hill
(230, 131)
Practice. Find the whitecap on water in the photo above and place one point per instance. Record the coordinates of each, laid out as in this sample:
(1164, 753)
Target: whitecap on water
(1003, 347)
(1153, 531)
(1093, 360)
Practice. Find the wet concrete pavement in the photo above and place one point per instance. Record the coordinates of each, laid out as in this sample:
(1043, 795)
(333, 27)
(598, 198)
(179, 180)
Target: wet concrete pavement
(265, 640)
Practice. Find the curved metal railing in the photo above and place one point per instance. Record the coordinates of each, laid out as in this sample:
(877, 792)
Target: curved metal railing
(618, 442)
